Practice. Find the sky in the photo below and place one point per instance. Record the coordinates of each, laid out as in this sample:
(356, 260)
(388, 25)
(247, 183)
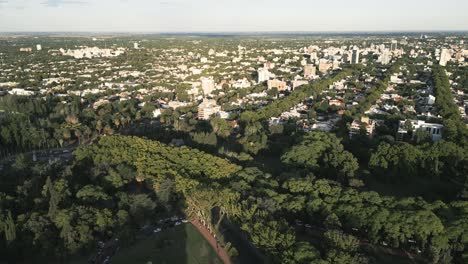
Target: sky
(232, 15)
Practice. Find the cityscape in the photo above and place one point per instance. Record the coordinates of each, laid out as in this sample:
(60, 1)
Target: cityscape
(195, 143)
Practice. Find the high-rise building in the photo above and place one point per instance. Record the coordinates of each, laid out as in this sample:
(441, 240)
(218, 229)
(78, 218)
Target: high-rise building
(263, 75)
(394, 45)
(385, 57)
(324, 66)
(355, 57)
(309, 71)
(208, 85)
(445, 56)
(136, 45)
(313, 56)
(208, 108)
(38, 47)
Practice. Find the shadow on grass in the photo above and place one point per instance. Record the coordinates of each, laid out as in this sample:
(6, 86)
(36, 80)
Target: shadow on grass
(180, 244)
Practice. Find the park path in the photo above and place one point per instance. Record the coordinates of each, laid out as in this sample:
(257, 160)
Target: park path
(207, 235)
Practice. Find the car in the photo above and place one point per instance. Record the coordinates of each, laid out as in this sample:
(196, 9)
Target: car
(184, 221)
(308, 226)
(177, 223)
(157, 230)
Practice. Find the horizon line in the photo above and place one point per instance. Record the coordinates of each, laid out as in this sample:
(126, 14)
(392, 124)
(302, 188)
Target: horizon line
(414, 31)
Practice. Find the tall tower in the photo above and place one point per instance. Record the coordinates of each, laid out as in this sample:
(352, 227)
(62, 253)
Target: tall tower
(385, 57)
(394, 45)
(355, 57)
(445, 56)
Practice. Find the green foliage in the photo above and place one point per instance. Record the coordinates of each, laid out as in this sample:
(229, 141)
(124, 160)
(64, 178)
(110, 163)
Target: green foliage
(323, 154)
(277, 107)
(92, 194)
(156, 161)
(338, 240)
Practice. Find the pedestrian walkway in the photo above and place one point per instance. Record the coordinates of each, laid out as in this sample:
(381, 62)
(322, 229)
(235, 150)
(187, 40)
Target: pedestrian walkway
(219, 249)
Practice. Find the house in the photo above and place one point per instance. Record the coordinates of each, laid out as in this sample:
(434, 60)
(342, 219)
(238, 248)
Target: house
(335, 102)
(364, 123)
(435, 130)
(280, 85)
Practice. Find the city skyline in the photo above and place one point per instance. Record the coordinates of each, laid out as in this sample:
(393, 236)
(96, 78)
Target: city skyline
(225, 16)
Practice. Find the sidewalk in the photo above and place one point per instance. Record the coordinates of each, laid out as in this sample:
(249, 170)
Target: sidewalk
(220, 250)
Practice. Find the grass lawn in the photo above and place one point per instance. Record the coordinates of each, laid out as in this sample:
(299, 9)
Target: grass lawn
(180, 244)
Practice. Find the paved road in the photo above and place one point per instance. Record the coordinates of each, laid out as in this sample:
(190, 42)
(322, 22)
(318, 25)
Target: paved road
(44, 154)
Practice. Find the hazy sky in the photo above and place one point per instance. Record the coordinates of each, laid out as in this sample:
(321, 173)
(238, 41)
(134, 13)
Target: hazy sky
(232, 15)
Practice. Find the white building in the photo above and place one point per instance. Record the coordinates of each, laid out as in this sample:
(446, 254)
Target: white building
(156, 113)
(242, 83)
(385, 57)
(39, 47)
(223, 114)
(208, 108)
(136, 45)
(355, 56)
(430, 100)
(445, 56)
(208, 85)
(435, 130)
(263, 75)
(394, 45)
(20, 91)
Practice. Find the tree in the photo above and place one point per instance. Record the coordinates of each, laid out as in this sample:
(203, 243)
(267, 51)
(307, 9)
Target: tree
(92, 194)
(322, 153)
(141, 206)
(335, 239)
(9, 228)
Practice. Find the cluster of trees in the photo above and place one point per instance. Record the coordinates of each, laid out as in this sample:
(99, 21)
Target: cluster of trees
(323, 154)
(376, 91)
(254, 124)
(111, 189)
(122, 183)
(454, 128)
(33, 123)
(443, 161)
(284, 104)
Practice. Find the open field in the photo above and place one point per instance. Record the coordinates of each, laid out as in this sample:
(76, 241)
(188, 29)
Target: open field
(181, 244)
